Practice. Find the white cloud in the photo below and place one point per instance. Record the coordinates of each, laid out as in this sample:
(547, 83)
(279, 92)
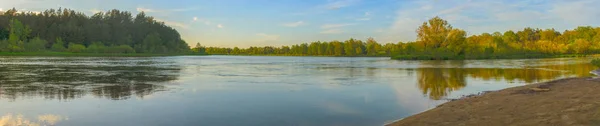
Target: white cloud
(173, 24)
(334, 28)
(332, 31)
(477, 17)
(329, 26)
(219, 26)
(148, 10)
(140, 9)
(294, 24)
(205, 21)
(367, 13)
(337, 4)
(403, 29)
(456, 9)
(266, 37)
(578, 12)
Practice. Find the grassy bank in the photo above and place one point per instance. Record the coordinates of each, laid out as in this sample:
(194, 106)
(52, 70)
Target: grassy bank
(68, 54)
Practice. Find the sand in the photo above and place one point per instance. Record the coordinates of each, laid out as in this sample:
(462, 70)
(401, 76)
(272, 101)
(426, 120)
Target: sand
(572, 101)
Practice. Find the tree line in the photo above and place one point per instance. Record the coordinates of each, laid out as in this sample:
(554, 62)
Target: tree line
(65, 30)
(351, 47)
(437, 39)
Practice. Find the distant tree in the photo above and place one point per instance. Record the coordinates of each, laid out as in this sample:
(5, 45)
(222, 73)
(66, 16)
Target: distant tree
(112, 28)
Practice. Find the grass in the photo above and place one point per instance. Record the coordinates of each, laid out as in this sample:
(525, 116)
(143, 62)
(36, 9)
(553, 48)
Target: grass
(596, 62)
(68, 54)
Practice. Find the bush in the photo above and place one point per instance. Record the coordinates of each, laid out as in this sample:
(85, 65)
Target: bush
(58, 47)
(35, 45)
(96, 47)
(596, 62)
(125, 49)
(76, 48)
(3, 45)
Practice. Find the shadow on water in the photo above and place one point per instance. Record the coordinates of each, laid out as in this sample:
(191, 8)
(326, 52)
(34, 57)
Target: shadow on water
(437, 83)
(63, 82)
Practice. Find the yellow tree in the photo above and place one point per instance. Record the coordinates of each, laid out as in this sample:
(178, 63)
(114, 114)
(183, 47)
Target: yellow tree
(581, 46)
(456, 41)
(433, 32)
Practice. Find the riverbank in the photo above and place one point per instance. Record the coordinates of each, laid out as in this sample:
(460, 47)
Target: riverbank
(572, 101)
(68, 54)
(519, 56)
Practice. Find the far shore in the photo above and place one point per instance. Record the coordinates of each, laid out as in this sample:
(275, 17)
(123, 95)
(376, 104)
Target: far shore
(69, 54)
(571, 101)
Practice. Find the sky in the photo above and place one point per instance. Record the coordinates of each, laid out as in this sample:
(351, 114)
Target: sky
(244, 23)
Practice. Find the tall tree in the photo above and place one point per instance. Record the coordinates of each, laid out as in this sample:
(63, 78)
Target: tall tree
(433, 32)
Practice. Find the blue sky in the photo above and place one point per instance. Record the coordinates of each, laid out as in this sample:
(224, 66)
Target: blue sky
(245, 23)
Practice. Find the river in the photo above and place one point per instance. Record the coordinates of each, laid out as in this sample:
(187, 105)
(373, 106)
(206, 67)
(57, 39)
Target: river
(250, 90)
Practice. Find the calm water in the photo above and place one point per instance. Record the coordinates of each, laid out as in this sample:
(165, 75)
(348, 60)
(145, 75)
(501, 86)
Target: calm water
(255, 91)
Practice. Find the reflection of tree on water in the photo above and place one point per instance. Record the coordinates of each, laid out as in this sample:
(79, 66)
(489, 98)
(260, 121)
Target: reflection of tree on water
(68, 82)
(438, 82)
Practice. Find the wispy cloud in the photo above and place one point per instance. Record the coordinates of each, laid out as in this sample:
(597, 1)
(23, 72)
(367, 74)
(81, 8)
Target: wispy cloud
(337, 4)
(205, 21)
(365, 17)
(173, 23)
(478, 17)
(149, 10)
(329, 26)
(334, 28)
(219, 26)
(294, 24)
(332, 31)
(580, 12)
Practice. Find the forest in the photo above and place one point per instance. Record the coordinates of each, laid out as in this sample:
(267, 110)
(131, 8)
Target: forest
(114, 31)
(437, 39)
(65, 30)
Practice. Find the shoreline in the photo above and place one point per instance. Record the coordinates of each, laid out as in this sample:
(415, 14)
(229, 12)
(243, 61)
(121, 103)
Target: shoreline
(569, 101)
(68, 54)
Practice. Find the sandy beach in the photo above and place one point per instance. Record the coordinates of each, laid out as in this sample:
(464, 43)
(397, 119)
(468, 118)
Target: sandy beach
(571, 101)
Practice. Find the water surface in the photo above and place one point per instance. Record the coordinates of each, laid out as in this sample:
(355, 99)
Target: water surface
(255, 91)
